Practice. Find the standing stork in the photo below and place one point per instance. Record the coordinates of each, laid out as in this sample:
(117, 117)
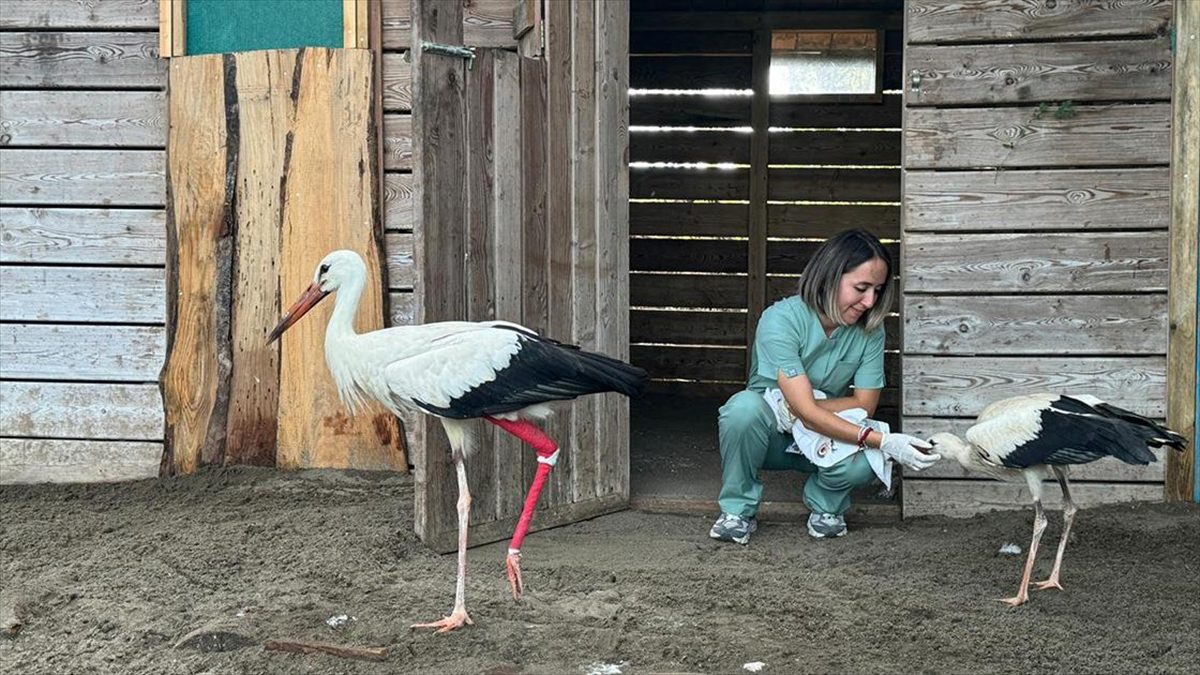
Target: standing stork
(1033, 436)
(457, 371)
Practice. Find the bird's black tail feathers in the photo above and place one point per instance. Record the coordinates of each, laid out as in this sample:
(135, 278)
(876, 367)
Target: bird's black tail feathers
(1136, 432)
(612, 374)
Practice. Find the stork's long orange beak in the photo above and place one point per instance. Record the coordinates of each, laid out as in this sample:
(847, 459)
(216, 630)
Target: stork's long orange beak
(307, 300)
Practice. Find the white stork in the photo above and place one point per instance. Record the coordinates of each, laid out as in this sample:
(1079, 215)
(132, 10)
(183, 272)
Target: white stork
(457, 371)
(1033, 436)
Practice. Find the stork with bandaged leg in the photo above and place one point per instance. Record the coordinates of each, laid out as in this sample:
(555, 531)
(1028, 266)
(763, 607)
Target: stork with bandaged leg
(458, 371)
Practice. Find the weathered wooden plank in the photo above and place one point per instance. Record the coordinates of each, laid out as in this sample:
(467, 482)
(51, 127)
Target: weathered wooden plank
(48, 14)
(54, 59)
(780, 286)
(688, 328)
(1184, 396)
(756, 245)
(694, 363)
(694, 255)
(963, 499)
(790, 257)
(980, 20)
(826, 220)
(954, 386)
(584, 437)
(76, 410)
(1107, 469)
(1096, 324)
(878, 148)
(83, 177)
(99, 118)
(1087, 199)
(700, 111)
(875, 185)
(687, 290)
(68, 461)
(194, 380)
(397, 83)
(709, 183)
(798, 115)
(398, 201)
(82, 294)
(688, 219)
(690, 146)
(401, 308)
(1052, 71)
(400, 265)
(727, 71)
(673, 42)
(1093, 261)
(83, 236)
(486, 23)
(397, 142)
(1026, 137)
(103, 353)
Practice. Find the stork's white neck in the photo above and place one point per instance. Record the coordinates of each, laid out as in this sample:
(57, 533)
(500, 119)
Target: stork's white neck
(345, 307)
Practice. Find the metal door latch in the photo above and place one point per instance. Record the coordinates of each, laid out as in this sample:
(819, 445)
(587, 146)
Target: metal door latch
(460, 51)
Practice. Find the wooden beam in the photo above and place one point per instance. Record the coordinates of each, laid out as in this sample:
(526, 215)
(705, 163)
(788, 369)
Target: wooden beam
(172, 28)
(1185, 209)
(355, 26)
(760, 150)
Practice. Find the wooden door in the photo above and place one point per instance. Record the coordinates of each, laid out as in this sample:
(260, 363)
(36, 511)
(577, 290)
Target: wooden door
(1035, 233)
(521, 195)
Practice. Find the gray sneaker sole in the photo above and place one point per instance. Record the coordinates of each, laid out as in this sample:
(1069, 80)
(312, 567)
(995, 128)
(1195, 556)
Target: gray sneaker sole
(743, 540)
(818, 535)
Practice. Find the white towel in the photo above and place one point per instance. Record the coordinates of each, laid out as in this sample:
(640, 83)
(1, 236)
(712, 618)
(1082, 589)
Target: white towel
(822, 450)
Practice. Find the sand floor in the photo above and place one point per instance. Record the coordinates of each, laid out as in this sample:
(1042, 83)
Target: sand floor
(192, 575)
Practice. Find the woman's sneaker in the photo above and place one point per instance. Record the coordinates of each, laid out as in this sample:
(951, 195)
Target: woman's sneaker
(822, 525)
(733, 528)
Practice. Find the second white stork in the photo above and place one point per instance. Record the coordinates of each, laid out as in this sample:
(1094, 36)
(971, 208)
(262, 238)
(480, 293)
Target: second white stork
(1036, 436)
(457, 371)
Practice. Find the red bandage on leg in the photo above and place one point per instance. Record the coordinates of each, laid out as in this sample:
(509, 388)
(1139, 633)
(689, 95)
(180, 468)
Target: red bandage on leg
(547, 451)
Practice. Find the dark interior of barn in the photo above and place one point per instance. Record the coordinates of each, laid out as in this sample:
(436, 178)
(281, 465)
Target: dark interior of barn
(758, 128)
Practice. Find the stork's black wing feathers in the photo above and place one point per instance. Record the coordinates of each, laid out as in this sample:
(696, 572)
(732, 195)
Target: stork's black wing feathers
(543, 370)
(1073, 432)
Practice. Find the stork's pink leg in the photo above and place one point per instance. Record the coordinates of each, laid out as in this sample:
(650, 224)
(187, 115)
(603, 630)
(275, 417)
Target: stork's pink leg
(1068, 518)
(547, 452)
(1039, 524)
(458, 616)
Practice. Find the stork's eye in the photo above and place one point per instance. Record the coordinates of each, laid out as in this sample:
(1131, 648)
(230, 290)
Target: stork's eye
(324, 268)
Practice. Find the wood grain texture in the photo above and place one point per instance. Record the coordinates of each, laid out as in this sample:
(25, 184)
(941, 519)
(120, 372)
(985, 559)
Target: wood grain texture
(1093, 262)
(81, 410)
(51, 352)
(108, 14)
(194, 379)
(397, 202)
(1087, 199)
(960, 386)
(82, 294)
(83, 177)
(397, 142)
(99, 118)
(397, 83)
(984, 20)
(1123, 70)
(1096, 324)
(52, 59)
(1130, 135)
(963, 498)
(35, 460)
(83, 236)
(1185, 249)
(485, 23)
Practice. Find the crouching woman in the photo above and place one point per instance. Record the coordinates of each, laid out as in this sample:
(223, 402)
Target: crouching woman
(827, 338)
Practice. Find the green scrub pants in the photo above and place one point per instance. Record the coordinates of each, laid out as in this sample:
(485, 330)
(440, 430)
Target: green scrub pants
(749, 442)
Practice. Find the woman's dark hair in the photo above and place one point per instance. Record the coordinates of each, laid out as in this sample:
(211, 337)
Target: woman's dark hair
(823, 273)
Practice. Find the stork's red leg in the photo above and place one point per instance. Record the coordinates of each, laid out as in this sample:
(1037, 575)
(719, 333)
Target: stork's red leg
(547, 452)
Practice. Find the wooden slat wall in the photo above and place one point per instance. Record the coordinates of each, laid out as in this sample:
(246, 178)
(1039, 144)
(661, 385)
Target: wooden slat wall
(829, 167)
(1035, 252)
(82, 166)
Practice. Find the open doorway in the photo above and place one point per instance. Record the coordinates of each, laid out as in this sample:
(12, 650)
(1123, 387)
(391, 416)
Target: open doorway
(756, 132)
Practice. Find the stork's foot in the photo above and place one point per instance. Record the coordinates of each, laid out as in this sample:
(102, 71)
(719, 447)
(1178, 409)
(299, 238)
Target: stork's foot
(1052, 582)
(457, 619)
(1016, 601)
(512, 565)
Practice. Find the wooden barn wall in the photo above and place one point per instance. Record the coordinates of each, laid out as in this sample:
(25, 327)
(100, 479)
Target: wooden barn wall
(82, 338)
(703, 263)
(1036, 200)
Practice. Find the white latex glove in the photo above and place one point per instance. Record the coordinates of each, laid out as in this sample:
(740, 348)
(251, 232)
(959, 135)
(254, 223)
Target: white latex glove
(903, 449)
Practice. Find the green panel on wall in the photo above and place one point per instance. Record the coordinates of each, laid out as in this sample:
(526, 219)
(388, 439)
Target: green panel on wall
(215, 26)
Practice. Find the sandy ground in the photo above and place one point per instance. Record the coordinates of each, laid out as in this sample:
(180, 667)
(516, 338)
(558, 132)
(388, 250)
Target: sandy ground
(191, 575)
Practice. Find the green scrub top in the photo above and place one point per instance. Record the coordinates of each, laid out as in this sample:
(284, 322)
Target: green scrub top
(790, 339)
